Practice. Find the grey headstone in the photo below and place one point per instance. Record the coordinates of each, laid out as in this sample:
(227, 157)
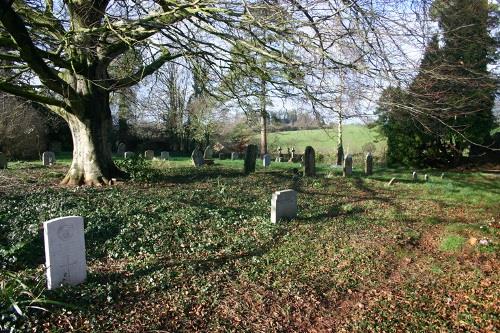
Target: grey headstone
(3, 161)
(208, 154)
(64, 242)
(197, 158)
(164, 155)
(309, 162)
(266, 160)
(392, 181)
(414, 176)
(442, 175)
(234, 156)
(369, 164)
(120, 150)
(250, 159)
(283, 205)
(128, 154)
(279, 159)
(48, 158)
(426, 177)
(348, 166)
(149, 154)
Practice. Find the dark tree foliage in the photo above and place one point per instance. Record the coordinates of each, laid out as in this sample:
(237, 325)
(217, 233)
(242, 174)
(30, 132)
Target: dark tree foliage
(445, 115)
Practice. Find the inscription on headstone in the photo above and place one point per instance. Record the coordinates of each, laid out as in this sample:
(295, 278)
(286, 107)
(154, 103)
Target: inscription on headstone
(309, 162)
(283, 205)
(64, 242)
(48, 158)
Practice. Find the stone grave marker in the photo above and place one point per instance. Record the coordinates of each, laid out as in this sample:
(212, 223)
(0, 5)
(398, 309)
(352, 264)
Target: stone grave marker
(48, 158)
(250, 159)
(392, 181)
(414, 176)
(442, 175)
(369, 164)
(283, 205)
(266, 160)
(164, 155)
(208, 154)
(128, 154)
(222, 156)
(426, 177)
(234, 156)
(197, 157)
(3, 161)
(120, 150)
(348, 166)
(64, 243)
(149, 154)
(309, 162)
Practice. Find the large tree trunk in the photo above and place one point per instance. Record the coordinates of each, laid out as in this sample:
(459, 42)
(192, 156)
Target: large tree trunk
(92, 159)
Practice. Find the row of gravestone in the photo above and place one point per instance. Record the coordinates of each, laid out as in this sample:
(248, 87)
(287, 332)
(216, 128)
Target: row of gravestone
(148, 155)
(414, 177)
(64, 241)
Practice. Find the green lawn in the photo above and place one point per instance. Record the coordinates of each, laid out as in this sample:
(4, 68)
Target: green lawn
(179, 248)
(325, 141)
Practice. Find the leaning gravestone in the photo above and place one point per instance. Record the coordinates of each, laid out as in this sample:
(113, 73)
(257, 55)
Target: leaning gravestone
(392, 181)
(208, 154)
(369, 164)
(3, 161)
(197, 158)
(283, 205)
(266, 160)
(164, 155)
(128, 154)
(234, 156)
(309, 162)
(64, 251)
(348, 166)
(414, 176)
(250, 159)
(149, 154)
(48, 158)
(120, 150)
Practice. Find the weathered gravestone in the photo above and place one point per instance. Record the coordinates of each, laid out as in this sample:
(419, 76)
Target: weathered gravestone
(348, 166)
(149, 154)
(283, 205)
(197, 158)
(414, 176)
(340, 155)
(309, 162)
(48, 158)
(442, 175)
(292, 155)
(426, 177)
(369, 164)
(234, 156)
(208, 154)
(64, 251)
(3, 161)
(164, 155)
(250, 159)
(120, 150)
(266, 160)
(128, 154)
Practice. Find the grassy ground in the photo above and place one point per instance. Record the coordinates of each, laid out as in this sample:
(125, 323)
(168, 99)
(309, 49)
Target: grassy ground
(185, 249)
(325, 141)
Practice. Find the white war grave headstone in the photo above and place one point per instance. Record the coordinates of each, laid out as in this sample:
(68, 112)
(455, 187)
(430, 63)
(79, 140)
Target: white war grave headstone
(65, 260)
(283, 205)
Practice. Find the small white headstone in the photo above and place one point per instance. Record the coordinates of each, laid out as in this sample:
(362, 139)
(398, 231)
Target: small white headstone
(149, 154)
(266, 160)
(128, 154)
(164, 155)
(48, 158)
(64, 242)
(414, 176)
(283, 205)
(426, 177)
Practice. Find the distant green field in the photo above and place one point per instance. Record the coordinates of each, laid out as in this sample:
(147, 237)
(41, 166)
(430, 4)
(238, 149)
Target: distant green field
(325, 140)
